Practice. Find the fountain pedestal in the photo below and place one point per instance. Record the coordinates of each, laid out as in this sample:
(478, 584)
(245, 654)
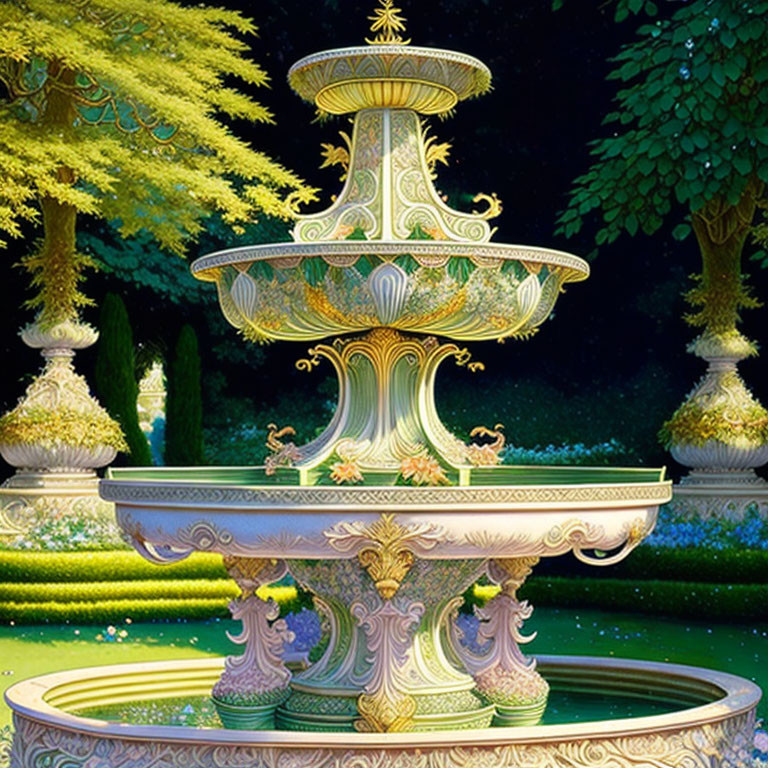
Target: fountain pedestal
(385, 668)
(502, 673)
(255, 683)
(386, 410)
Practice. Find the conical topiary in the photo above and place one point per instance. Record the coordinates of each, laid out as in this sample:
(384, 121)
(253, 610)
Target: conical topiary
(184, 406)
(115, 376)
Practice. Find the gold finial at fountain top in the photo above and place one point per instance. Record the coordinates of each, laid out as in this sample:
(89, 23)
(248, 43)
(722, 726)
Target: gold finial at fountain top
(387, 23)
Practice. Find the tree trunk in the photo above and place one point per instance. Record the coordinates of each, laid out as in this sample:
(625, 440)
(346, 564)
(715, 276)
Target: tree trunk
(55, 266)
(721, 230)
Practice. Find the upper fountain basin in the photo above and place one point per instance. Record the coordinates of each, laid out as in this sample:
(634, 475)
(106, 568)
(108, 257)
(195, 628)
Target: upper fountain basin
(427, 80)
(308, 291)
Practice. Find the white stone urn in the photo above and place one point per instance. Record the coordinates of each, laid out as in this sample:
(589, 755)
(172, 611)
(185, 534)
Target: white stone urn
(56, 437)
(58, 426)
(722, 481)
(722, 406)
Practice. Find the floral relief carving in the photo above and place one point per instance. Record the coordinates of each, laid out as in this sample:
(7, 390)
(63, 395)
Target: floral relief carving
(724, 744)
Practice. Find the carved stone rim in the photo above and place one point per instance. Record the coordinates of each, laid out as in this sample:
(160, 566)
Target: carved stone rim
(30, 699)
(168, 493)
(381, 51)
(390, 248)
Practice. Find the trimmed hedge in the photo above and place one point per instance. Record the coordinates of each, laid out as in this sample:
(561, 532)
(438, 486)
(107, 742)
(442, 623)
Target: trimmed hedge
(27, 567)
(716, 602)
(81, 592)
(141, 602)
(717, 567)
(748, 566)
(682, 600)
(108, 586)
(112, 611)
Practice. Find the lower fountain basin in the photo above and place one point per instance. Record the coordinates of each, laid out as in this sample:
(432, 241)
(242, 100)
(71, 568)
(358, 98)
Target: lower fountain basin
(510, 512)
(707, 720)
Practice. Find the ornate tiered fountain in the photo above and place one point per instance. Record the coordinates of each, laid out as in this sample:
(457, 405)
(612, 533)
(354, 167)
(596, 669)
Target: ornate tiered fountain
(387, 517)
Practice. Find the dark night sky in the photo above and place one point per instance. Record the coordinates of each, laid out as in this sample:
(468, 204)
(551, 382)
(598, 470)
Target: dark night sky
(526, 141)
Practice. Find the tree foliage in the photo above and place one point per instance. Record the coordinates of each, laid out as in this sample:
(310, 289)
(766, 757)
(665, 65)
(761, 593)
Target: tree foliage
(622, 9)
(691, 126)
(115, 377)
(184, 408)
(140, 262)
(690, 142)
(113, 109)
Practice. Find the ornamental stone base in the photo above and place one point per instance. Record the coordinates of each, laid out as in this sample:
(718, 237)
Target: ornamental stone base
(28, 499)
(56, 437)
(726, 495)
(385, 668)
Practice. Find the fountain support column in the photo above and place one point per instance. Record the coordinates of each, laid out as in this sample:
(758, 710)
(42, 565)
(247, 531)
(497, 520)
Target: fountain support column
(386, 411)
(500, 670)
(385, 668)
(256, 682)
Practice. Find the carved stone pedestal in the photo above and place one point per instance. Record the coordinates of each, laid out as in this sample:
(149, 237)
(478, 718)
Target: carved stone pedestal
(386, 667)
(255, 683)
(56, 437)
(722, 494)
(502, 673)
(28, 499)
(722, 482)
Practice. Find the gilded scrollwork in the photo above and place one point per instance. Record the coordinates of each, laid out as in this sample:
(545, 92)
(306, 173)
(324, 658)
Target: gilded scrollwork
(252, 572)
(388, 24)
(488, 454)
(492, 201)
(385, 548)
(385, 705)
(280, 454)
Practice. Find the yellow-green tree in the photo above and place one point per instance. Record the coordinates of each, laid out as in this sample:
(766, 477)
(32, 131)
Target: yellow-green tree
(113, 109)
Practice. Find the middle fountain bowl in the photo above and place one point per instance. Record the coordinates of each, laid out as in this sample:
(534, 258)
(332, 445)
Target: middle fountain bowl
(308, 291)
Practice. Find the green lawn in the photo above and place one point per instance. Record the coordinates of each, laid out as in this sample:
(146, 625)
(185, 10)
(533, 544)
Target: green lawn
(737, 648)
(35, 650)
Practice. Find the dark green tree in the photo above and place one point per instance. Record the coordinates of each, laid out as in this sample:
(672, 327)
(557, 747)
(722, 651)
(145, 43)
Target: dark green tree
(115, 376)
(688, 144)
(184, 405)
